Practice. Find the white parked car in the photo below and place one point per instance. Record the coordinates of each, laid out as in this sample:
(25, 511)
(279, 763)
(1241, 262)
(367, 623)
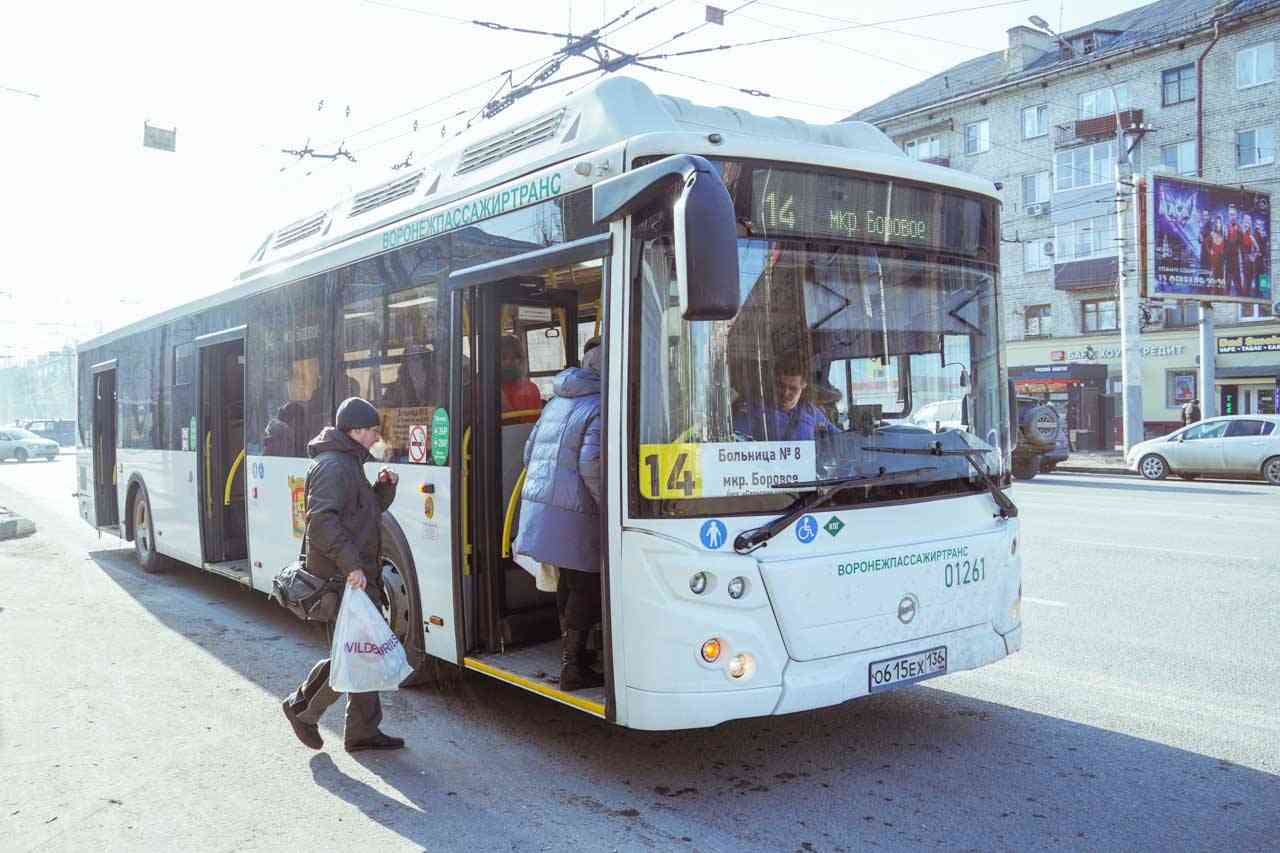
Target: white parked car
(1235, 446)
(23, 444)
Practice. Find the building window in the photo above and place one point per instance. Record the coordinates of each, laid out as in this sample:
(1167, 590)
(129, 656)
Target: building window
(1094, 237)
(977, 137)
(1086, 166)
(924, 147)
(1099, 315)
(1256, 65)
(1034, 257)
(1035, 188)
(1180, 157)
(1178, 85)
(1255, 147)
(1099, 102)
(1179, 387)
(1035, 121)
(1039, 321)
(1181, 312)
(1254, 311)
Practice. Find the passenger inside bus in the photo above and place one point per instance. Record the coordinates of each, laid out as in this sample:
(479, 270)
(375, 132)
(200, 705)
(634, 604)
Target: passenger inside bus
(521, 401)
(413, 384)
(788, 416)
(285, 433)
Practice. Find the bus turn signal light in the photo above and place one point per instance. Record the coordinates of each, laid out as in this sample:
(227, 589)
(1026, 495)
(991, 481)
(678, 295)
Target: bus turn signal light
(711, 650)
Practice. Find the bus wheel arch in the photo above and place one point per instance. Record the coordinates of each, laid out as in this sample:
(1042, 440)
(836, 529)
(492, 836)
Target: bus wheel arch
(138, 517)
(404, 607)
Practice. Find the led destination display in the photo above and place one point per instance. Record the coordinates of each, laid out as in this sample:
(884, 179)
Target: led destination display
(867, 210)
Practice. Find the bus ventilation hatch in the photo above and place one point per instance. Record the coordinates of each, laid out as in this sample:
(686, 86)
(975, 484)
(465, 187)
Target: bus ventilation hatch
(385, 193)
(300, 230)
(511, 141)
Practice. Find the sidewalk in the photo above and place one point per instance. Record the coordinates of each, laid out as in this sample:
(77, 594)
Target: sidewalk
(1095, 462)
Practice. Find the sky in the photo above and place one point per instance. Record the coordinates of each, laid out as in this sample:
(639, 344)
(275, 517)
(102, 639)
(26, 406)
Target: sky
(97, 231)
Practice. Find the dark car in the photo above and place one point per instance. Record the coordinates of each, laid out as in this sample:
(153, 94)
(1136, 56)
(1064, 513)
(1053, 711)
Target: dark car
(1042, 439)
(55, 429)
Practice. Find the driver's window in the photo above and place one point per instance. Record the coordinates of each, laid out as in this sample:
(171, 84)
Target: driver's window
(1209, 430)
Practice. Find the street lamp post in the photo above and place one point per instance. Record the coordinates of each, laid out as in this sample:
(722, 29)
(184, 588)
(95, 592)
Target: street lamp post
(1127, 286)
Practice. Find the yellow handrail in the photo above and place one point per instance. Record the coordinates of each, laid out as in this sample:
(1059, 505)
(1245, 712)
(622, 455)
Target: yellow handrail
(226, 492)
(512, 503)
(520, 413)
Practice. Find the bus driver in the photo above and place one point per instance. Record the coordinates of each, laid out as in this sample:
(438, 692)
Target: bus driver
(791, 418)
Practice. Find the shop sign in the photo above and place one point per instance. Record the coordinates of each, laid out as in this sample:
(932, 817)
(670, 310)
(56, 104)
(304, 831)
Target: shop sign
(1249, 343)
(1092, 353)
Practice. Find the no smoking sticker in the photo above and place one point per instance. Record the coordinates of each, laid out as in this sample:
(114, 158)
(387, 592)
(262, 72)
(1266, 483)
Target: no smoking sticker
(418, 444)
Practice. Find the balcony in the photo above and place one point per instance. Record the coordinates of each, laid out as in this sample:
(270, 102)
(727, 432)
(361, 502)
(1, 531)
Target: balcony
(1088, 128)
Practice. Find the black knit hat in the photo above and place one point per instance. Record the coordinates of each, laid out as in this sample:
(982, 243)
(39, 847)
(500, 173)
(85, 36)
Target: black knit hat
(355, 412)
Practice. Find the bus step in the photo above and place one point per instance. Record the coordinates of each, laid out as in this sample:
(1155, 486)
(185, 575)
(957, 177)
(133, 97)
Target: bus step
(533, 667)
(237, 570)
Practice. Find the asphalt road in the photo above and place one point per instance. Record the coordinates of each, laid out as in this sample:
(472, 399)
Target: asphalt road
(142, 712)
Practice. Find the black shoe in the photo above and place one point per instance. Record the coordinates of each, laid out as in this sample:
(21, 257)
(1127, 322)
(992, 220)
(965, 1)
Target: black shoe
(575, 673)
(377, 740)
(308, 733)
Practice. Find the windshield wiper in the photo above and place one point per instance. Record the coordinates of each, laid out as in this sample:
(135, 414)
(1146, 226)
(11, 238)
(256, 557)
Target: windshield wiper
(1008, 509)
(749, 540)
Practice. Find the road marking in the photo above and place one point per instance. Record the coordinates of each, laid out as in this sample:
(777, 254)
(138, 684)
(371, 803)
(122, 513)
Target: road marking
(1045, 601)
(1179, 551)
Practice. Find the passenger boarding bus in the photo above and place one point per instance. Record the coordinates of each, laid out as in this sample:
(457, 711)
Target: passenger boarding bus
(776, 301)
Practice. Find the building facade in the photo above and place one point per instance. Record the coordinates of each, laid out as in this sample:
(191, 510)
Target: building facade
(1197, 88)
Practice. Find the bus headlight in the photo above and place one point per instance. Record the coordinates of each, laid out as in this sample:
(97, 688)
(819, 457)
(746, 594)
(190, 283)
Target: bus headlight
(698, 583)
(737, 588)
(711, 650)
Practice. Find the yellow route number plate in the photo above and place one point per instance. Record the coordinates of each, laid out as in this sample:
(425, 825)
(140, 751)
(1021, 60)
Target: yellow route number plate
(671, 471)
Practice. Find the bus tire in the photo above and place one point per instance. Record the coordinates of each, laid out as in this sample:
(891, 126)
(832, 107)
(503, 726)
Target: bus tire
(142, 531)
(1026, 468)
(403, 607)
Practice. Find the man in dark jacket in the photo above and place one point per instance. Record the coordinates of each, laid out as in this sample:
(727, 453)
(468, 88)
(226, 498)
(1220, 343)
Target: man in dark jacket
(343, 535)
(1191, 412)
(560, 507)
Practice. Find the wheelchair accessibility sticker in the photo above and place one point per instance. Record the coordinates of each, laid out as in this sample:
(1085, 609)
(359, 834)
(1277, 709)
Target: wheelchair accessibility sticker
(713, 534)
(806, 529)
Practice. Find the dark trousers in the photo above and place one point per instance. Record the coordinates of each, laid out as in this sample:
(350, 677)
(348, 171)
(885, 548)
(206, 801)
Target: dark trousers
(314, 696)
(578, 599)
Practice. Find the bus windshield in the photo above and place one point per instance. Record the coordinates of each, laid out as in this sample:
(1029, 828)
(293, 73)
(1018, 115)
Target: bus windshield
(847, 359)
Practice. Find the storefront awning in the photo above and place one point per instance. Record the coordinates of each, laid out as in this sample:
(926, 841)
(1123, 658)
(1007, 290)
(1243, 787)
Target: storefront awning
(1256, 372)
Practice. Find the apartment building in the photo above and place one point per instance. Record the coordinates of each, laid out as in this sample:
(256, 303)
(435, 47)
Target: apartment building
(1196, 86)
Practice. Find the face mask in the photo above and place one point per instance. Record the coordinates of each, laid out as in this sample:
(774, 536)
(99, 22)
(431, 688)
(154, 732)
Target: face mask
(512, 374)
(379, 449)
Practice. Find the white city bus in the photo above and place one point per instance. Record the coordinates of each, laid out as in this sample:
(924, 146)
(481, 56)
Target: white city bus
(760, 557)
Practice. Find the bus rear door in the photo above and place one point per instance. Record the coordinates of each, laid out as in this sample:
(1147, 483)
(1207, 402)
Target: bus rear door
(220, 472)
(106, 502)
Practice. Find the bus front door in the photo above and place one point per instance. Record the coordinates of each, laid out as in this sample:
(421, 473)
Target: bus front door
(221, 473)
(105, 474)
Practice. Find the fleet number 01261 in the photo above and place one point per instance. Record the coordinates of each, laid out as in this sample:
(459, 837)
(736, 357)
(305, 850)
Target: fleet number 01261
(964, 572)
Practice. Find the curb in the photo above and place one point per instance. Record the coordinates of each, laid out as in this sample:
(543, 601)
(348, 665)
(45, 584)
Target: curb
(1084, 469)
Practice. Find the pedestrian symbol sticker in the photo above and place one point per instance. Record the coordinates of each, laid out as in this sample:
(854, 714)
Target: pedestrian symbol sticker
(806, 529)
(834, 525)
(418, 444)
(713, 534)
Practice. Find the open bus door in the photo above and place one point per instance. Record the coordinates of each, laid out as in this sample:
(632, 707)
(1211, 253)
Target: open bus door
(511, 629)
(220, 472)
(106, 503)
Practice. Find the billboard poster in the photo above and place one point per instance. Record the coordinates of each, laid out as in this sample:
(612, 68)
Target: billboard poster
(1210, 243)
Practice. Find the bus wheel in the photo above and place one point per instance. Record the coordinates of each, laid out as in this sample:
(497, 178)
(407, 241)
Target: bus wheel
(403, 610)
(1026, 468)
(144, 534)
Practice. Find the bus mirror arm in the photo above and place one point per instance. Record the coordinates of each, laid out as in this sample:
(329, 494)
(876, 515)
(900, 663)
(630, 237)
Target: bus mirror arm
(705, 228)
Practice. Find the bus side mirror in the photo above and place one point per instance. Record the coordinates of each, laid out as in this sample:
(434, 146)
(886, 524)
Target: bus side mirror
(706, 235)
